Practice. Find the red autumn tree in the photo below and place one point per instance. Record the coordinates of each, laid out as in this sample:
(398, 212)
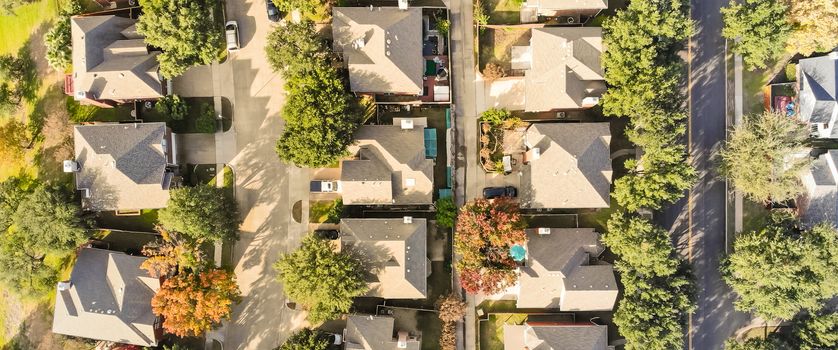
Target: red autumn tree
(485, 232)
(192, 303)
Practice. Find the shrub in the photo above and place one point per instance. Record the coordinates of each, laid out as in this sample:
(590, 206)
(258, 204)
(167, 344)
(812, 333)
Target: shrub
(493, 71)
(443, 26)
(206, 122)
(172, 106)
(446, 211)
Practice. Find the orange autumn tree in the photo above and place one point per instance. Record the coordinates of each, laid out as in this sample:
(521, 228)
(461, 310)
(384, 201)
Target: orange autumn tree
(485, 232)
(192, 303)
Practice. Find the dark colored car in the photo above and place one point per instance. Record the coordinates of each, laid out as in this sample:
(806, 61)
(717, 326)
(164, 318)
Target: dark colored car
(496, 192)
(273, 12)
(327, 234)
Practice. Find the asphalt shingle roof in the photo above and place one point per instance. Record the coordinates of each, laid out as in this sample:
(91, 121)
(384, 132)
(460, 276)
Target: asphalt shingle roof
(554, 336)
(818, 89)
(373, 333)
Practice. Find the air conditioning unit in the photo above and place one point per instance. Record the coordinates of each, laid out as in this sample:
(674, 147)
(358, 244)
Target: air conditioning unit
(407, 124)
(544, 231)
(71, 166)
(408, 219)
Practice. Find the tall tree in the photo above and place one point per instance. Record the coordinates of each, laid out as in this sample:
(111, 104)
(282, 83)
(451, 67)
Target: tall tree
(58, 40)
(641, 245)
(758, 29)
(192, 303)
(484, 234)
(13, 139)
(184, 30)
(171, 252)
(817, 331)
(761, 158)
(779, 270)
(772, 342)
(815, 24)
(446, 212)
(49, 220)
(320, 279)
(662, 175)
(306, 339)
(203, 213)
(24, 270)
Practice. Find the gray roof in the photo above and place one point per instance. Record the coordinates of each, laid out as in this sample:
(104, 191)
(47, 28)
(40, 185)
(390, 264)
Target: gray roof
(111, 60)
(389, 60)
(818, 89)
(109, 299)
(562, 250)
(821, 202)
(123, 166)
(565, 68)
(390, 168)
(574, 169)
(367, 332)
(564, 5)
(554, 336)
(590, 288)
(395, 252)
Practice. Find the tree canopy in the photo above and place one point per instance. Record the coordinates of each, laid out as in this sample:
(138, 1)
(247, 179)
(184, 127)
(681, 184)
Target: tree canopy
(641, 245)
(484, 234)
(320, 279)
(772, 342)
(58, 40)
(203, 213)
(192, 303)
(320, 115)
(758, 30)
(815, 23)
(817, 331)
(306, 339)
(184, 30)
(779, 270)
(760, 157)
(446, 212)
(18, 79)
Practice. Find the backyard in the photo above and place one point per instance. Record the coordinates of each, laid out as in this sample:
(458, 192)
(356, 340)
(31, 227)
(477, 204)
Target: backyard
(196, 107)
(496, 46)
(503, 11)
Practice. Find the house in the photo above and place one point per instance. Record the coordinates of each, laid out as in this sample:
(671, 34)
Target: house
(566, 165)
(382, 47)
(367, 332)
(389, 167)
(557, 273)
(562, 68)
(555, 8)
(108, 297)
(111, 62)
(817, 79)
(555, 335)
(123, 167)
(395, 251)
(820, 204)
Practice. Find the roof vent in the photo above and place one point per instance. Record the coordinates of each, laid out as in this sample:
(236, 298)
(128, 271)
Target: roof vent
(71, 166)
(544, 230)
(407, 124)
(64, 286)
(408, 219)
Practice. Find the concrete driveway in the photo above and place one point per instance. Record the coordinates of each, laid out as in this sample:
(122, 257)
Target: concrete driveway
(265, 188)
(506, 93)
(196, 148)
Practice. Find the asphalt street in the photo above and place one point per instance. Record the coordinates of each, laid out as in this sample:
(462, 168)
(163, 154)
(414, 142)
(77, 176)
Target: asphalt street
(697, 222)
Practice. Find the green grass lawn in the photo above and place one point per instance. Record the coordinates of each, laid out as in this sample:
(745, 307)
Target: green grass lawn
(491, 331)
(143, 223)
(318, 211)
(503, 11)
(85, 113)
(754, 215)
(15, 29)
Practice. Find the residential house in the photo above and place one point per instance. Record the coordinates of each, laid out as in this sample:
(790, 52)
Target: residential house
(394, 250)
(111, 62)
(389, 167)
(123, 167)
(556, 8)
(562, 68)
(555, 335)
(108, 297)
(566, 165)
(817, 79)
(820, 204)
(367, 332)
(558, 274)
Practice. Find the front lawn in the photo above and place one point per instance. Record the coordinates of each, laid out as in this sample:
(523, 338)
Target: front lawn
(322, 211)
(196, 109)
(491, 330)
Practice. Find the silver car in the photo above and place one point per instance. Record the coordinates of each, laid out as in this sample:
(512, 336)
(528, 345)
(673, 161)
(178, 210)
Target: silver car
(231, 30)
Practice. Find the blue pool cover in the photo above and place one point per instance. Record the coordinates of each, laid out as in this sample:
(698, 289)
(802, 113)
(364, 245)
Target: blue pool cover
(517, 252)
(430, 143)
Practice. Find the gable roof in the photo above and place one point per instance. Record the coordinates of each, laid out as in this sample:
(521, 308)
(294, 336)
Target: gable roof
(821, 201)
(549, 336)
(390, 168)
(396, 253)
(382, 46)
(111, 60)
(574, 168)
(123, 166)
(818, 94)
(373, 333)
(109, 299)
(565, 68)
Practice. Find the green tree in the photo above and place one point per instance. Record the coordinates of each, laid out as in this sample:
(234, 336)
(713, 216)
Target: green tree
(12, 192)
(49, 220)
(306, 339)
(661, 176)
(306, 7)
(772, 342)
(184, 30)
(495, 116)
(641, 245)
(173, 107)
(759, 157)
(13, 139)
(817, 331)
(446, 212)
(815, 23)
(443, 26)
(207, 121)
(778, 270)
(758, 30)
(18, 79)
(203, 213)
(335, 213)
(320, 279)
(24, 270)
(58, 41)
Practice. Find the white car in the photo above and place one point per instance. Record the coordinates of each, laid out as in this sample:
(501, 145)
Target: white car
(231, 31)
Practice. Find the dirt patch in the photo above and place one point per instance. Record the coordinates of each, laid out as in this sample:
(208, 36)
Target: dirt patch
(496, 45)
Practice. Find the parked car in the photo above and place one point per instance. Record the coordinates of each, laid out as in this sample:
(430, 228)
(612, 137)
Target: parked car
(335, 338)
(273, 12)
(496, 192)
(325, 186)
(231, 30)
(326, 234)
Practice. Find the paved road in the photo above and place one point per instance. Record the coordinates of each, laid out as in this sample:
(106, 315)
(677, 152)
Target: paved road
(715, 320)
(265, 188)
